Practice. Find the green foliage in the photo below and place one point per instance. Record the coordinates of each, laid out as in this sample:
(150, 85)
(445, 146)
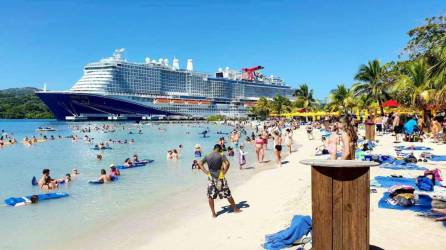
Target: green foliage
(215, 118)
(304, 98)
(281, 104)
(22, 103)
(262, 109)
(426, 37)
(341, 99)
(374, 82)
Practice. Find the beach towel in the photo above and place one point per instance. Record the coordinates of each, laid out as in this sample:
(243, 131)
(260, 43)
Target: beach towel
(379, 158)
(300, 226)
(401, 165)
(438, 158)
(422, 204)
(412, 148)
(388, 181)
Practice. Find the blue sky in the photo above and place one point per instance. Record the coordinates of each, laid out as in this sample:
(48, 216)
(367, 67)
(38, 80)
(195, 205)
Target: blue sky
(321, 43)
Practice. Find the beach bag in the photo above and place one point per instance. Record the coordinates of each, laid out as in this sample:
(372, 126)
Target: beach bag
(405, 199)
(436, 173)
(400, 189)
(411, 159)
(424, 183)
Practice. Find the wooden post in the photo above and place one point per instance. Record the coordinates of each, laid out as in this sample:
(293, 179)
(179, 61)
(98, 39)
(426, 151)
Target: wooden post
(340, 191)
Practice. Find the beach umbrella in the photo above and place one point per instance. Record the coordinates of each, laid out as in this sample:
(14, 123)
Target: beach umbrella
(391, 103)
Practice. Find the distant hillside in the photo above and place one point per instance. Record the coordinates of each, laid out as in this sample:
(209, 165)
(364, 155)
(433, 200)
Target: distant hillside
(21, 103)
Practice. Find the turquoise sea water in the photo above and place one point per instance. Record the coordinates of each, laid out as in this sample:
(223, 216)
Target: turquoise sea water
(53, 222)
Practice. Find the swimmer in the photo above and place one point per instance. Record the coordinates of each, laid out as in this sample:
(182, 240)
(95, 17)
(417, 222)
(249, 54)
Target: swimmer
(169, 155)
(195, 164)
(175, 154)
(104, 178)
(46, 182)
(230, 151)
(197, 150)
(74, 173)
(128, 162)
(114, 171)
(135, 158)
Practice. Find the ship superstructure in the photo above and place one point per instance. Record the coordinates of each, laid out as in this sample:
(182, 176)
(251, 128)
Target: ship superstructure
(114, 87)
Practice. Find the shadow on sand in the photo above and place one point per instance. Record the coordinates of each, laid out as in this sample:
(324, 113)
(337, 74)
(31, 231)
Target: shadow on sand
(372, 247)
(228, 209)
(248, 168)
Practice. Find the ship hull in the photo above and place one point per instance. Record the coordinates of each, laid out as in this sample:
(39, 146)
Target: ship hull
(93, 106)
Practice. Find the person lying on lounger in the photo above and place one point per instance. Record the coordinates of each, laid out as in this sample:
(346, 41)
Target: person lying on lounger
(440, 211)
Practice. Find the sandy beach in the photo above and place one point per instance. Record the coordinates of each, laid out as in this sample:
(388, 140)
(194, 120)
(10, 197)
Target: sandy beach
(272, 197)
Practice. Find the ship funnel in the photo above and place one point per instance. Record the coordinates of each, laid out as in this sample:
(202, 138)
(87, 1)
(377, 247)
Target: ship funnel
(160, 61)
(175, 64)
(189, 66)
(166, 62)
(44, 87)
(147, 60)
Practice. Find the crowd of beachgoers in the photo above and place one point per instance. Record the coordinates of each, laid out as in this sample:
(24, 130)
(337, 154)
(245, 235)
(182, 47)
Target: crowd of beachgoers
(408, 179)
(414, 182)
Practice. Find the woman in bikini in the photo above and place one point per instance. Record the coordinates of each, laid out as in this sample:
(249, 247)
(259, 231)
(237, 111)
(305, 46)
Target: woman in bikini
(349, 139)
(259, 148)
(278, 147)
(333, 142)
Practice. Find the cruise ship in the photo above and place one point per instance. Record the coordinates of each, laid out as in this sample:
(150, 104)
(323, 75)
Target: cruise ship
(116, 89)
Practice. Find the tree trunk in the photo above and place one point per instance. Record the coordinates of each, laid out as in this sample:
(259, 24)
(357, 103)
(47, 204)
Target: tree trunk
(381, 106)
(427, 119)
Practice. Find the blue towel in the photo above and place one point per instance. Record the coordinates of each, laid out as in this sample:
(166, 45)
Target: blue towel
(300, 226)
(423, 204)
(438, 158)
(412, 148)
(401, 165)
(388, 181)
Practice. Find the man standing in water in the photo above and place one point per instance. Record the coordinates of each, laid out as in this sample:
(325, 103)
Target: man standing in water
(217, 185)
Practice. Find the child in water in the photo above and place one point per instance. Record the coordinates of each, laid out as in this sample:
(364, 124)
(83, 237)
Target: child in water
(195, 164)
(197, 150)
(230, 151)
(242, 158)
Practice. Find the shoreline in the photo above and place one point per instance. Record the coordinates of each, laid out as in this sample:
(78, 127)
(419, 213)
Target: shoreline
(275, 196)
(142, 225)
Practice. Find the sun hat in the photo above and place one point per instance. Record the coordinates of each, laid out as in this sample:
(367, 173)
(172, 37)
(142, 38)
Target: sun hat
(197, 146)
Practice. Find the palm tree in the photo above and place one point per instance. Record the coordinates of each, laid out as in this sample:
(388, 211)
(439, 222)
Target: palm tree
(341, 99)
(262, 108)
(417, 82)
(280, 104)
(438, 72)
(304, 97)
(374, 82)
(416, 79)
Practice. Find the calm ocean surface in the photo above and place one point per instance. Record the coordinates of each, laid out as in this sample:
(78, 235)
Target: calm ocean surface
(53, 222)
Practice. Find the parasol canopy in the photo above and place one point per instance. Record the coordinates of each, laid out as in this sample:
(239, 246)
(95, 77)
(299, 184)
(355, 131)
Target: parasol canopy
(391, 103)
